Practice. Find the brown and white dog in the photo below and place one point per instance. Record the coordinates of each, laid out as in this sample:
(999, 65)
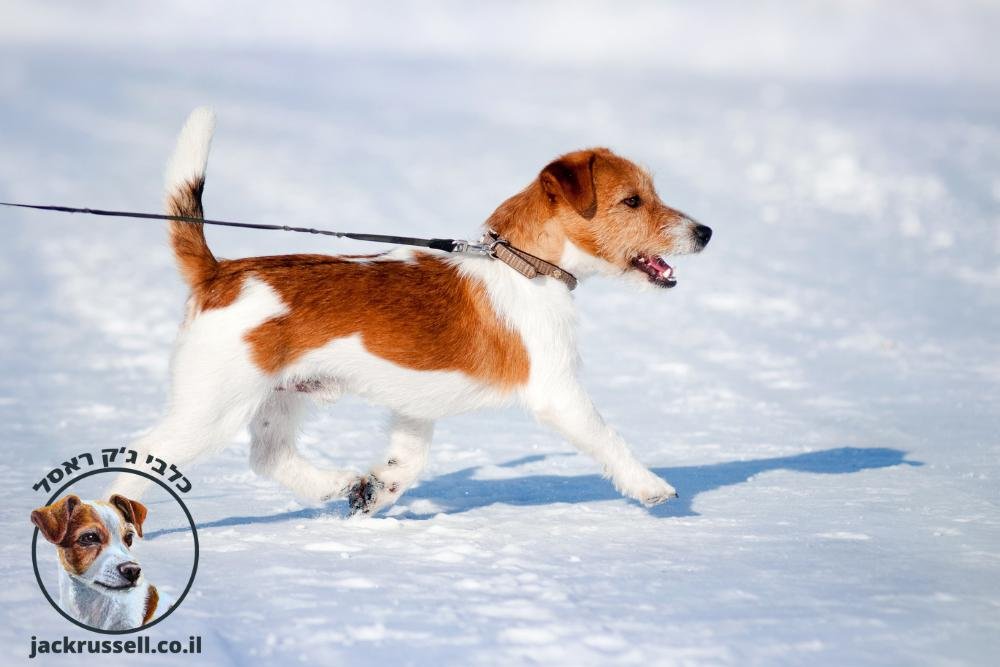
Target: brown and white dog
(426, 335)
(100, 583)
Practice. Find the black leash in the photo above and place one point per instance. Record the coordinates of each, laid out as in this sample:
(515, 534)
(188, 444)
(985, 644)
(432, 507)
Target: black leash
(492, 245)
(447, 245)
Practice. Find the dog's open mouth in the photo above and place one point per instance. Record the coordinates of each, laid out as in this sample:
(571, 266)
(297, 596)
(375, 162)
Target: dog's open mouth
(660, 273)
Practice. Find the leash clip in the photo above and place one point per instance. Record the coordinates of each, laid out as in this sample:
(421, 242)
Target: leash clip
(474, 248)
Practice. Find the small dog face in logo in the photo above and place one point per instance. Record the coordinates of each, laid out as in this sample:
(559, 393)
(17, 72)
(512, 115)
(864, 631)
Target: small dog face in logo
(101, 583)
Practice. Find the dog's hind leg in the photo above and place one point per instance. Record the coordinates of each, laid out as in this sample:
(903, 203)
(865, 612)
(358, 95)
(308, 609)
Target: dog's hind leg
(188, 432)
(409, 443)
(273, 452)
(214, 392)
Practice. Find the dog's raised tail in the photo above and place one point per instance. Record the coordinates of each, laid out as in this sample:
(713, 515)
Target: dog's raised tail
(185, 180)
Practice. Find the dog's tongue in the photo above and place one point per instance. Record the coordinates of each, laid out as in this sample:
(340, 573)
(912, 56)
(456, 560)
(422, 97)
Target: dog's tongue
(664, 269)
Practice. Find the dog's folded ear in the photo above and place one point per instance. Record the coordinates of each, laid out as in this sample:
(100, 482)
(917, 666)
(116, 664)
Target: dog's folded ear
(133, 511)
(571, 178)
(53, 520)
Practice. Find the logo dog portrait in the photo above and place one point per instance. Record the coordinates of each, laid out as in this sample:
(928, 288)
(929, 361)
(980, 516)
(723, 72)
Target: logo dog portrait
(101, 582)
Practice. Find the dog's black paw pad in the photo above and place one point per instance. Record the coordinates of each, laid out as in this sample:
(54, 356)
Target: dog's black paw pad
(362, 495)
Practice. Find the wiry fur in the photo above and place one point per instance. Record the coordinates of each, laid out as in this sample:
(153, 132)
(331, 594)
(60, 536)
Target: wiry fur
(425, 335)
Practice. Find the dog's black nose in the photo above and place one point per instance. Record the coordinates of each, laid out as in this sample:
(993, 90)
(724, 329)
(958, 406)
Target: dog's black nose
(130, 571)
(703, 233)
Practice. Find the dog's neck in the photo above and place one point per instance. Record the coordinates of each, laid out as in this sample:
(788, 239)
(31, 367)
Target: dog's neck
(111, 610)
(523, 220)
(526, 220)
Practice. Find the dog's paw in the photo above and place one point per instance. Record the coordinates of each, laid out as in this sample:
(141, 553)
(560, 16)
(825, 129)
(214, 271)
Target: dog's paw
(657, 498)
(651, 490)
(363, 495)
(343, 487)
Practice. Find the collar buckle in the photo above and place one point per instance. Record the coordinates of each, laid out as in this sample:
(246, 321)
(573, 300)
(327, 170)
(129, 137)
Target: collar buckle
(473, 248)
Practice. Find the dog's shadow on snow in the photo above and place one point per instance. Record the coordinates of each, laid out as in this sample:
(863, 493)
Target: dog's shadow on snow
(461, 491)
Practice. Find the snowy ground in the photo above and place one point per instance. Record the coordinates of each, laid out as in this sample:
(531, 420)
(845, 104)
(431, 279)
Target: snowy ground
(823, 387)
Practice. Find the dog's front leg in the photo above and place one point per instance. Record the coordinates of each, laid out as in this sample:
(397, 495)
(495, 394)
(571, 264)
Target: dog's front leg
(409, 443)
(570, 411)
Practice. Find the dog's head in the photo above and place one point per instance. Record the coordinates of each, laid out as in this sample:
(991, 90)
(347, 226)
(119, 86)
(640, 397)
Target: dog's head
(94, 539)
(595, 212)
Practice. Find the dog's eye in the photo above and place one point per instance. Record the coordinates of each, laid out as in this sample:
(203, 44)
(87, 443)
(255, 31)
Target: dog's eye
(88, 539)
(128, 539)
(633, 202)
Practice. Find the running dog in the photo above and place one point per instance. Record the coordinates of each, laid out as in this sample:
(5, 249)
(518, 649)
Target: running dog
(100, 583)
(426, 335)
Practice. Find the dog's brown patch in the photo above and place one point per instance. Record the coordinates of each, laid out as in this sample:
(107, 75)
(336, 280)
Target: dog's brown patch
(76, 557)
(420, 314)
(197, 263)
(152, 599)
(63, 522)
(132, 511)
(53, 520)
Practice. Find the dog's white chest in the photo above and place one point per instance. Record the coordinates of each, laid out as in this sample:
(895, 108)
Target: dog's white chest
(108, 611)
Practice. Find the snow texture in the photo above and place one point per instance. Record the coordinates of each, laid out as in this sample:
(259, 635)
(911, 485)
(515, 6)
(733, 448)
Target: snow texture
(821, 387)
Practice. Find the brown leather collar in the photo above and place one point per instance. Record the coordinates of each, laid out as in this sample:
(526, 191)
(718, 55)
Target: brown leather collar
(525, 263)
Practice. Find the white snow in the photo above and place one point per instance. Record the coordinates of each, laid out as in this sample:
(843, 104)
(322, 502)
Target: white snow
(822, 387)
